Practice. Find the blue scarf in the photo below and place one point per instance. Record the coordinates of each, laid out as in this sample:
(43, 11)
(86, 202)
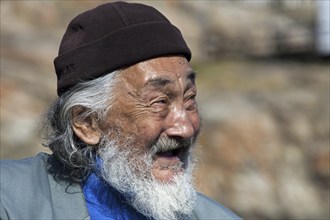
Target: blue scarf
(104, 202)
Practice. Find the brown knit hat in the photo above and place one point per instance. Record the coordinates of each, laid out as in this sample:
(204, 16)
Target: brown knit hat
(113, 36)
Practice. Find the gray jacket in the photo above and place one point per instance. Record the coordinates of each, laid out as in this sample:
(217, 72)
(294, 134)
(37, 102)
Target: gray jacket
(29, 192)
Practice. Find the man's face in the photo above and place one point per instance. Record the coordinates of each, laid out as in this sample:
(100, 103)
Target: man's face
(156, 99)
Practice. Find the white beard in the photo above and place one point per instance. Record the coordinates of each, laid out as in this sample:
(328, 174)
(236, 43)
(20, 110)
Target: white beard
(131, 176)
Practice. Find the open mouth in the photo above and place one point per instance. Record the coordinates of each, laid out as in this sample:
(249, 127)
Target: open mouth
(179, 155)
(172, 153)
(170, 158)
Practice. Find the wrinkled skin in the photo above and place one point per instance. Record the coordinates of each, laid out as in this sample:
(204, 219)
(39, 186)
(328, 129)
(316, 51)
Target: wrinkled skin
(153, 99)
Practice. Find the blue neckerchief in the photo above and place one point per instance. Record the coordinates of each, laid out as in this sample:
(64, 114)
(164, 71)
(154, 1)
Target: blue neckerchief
(104, 202)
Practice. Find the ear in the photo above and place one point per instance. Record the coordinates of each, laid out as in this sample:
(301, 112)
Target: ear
(86, 128)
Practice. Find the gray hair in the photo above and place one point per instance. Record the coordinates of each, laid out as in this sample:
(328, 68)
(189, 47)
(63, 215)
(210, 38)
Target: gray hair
(72, 159)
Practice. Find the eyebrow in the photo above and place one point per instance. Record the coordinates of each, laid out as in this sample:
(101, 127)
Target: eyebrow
(158, 82)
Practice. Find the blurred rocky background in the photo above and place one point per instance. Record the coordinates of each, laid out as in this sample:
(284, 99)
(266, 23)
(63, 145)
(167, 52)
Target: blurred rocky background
(263, 77)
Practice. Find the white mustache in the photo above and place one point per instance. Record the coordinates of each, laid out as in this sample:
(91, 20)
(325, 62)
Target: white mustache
(166, 144)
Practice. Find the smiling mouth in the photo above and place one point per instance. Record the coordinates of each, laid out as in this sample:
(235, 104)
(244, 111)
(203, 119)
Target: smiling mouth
(178, 154)
(172, 153)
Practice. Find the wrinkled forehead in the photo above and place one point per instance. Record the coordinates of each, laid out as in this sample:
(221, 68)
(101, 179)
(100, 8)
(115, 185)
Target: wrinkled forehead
(174, 68)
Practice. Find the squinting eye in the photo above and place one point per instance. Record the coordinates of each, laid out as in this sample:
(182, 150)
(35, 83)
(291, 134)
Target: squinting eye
(191, 102)
(160, 106)
(191, 98)
(160, 101)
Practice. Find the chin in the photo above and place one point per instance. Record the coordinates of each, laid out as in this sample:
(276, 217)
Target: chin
(158, 186)
(166, 176)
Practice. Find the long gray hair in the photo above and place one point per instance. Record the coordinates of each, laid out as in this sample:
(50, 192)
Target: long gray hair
(72, 159)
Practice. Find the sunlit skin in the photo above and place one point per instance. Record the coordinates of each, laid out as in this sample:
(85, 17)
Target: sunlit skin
(156, 98)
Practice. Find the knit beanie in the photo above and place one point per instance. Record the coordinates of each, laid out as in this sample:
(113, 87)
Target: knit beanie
(113, 36)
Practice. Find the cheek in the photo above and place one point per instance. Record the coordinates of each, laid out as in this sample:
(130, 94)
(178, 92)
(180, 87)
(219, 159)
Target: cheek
(148, 130)
(142, 130)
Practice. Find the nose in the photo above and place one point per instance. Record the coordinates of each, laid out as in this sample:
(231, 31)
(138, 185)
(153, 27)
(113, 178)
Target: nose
(180, 124)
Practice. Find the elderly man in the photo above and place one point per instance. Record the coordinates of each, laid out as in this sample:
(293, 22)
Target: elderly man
(122, 130)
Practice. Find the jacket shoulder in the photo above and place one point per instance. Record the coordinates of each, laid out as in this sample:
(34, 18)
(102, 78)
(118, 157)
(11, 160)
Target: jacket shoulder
(22, 164)
(207, 208)
(28, 191)
(28, 170)
(24, 184)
